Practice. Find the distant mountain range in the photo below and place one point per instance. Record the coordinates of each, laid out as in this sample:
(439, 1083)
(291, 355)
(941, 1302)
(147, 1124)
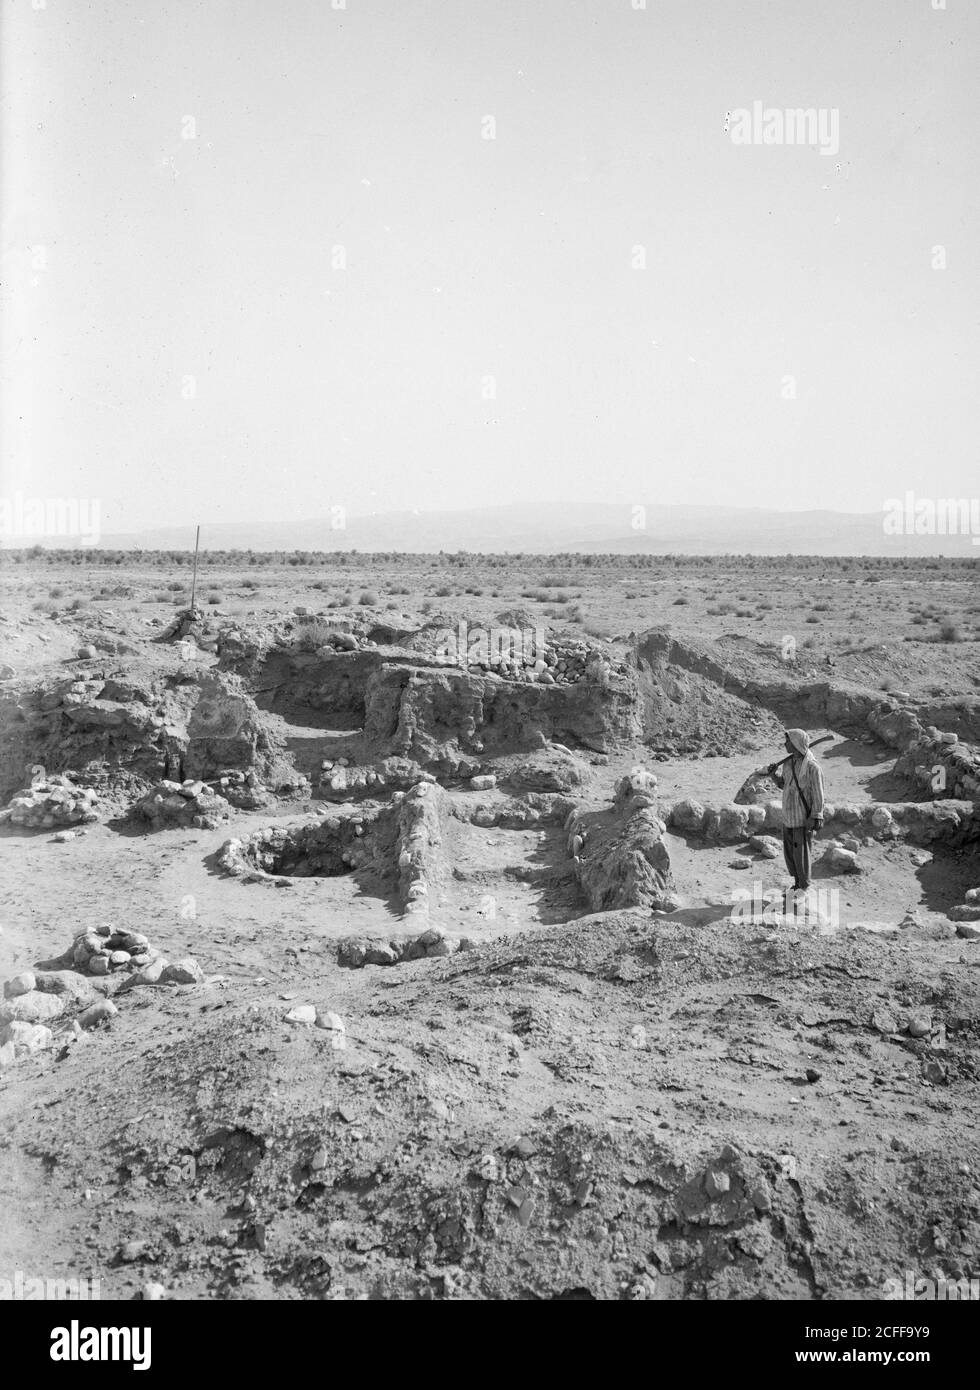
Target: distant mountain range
(544, 529)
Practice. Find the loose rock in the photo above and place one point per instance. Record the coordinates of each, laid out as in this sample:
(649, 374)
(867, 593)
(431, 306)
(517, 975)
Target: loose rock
(19, 984)
(97, 1015)
(183, 972)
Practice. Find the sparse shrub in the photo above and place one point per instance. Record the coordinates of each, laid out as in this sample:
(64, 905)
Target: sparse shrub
(368, 599)
(444, 591)
(950, 632)
(56, 592)
(314, 636)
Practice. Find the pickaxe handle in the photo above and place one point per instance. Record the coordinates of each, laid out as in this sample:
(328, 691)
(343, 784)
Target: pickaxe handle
(824, 738)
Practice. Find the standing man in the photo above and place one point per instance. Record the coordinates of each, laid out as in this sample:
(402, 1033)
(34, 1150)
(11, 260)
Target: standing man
(801, 781)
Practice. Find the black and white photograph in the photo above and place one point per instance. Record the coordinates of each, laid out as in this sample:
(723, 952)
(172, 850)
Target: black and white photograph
(490, 670)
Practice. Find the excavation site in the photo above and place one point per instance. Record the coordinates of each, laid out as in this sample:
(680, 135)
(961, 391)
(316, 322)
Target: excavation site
(444, 950)
(489, 677)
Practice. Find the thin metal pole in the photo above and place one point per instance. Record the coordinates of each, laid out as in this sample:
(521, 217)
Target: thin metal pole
(194, 580)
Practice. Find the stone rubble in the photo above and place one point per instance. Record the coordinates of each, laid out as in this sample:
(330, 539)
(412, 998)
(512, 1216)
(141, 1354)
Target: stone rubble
(187, 804)
(19, 1039)
(100, 959)
(356, 952)
(966, 914)
(917, 822)
(53, 802)
(839, 860)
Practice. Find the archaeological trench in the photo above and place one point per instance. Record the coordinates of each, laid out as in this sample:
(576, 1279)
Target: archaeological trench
(357, 757)
(393, 751)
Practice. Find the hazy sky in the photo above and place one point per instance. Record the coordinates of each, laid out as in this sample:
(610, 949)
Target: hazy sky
(137, 259)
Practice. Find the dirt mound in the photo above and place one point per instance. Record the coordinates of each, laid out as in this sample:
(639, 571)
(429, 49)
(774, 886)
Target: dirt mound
(621, 1109)
(687, 710)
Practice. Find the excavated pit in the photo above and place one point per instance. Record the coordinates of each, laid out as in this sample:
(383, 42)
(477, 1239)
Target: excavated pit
(361, 843)
(298, 859)
(384, 702)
